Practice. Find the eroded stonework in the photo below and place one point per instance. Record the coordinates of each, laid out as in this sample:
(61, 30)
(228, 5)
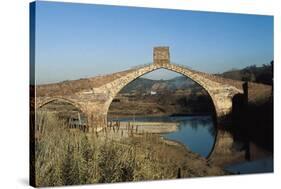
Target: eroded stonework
(161, 55)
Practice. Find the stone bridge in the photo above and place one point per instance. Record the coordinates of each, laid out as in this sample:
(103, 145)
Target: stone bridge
(93, 96)
(95, 101)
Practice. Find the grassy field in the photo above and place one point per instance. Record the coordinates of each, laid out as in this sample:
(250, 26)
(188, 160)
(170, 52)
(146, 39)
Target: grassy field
(70, 157)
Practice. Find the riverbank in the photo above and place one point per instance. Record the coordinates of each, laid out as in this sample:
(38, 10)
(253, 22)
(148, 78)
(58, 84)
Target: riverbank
(149, 133)
(175, 158)
(150, 127)
(124, 116)
(71, 157)
(119, 130)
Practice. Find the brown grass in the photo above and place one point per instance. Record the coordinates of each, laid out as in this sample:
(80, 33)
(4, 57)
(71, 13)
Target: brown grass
(71, 157)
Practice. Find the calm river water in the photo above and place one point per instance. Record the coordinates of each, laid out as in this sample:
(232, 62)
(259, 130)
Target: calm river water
(198, 134)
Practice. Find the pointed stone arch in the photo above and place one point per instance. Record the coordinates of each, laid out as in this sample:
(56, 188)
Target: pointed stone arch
(221, 95)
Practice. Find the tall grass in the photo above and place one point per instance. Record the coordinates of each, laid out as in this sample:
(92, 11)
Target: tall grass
(62, 157)
(65, 156)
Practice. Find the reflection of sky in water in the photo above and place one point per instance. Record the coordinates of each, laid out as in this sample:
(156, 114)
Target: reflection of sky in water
(258, 166)
(196, 132)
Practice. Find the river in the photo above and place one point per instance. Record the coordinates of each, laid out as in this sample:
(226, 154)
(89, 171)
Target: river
(198, 134)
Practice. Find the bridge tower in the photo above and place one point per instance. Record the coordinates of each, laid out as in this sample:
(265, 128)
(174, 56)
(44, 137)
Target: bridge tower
(161, 55)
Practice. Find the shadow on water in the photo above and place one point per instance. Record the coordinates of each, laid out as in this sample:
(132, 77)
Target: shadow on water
(252, 132)
(264, 165)
(252, 122)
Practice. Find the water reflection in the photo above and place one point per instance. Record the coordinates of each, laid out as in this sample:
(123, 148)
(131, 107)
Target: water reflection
(258, 166)
(197, 133)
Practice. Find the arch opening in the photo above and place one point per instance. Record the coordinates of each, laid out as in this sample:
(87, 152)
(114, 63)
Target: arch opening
(60, 113)
(164, 95)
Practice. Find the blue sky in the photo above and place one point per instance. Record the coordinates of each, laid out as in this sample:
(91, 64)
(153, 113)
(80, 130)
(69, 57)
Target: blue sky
(82, 40)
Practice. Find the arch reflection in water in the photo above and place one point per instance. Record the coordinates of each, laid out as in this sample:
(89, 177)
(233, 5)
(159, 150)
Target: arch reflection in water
(196, 132)
(166, 96)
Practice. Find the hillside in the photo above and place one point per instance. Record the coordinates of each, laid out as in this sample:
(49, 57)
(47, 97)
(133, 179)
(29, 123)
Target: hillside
(262, 74)
(179, 95)
(144, 85)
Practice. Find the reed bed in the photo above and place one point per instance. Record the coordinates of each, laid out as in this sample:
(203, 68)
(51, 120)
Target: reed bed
(65, 156)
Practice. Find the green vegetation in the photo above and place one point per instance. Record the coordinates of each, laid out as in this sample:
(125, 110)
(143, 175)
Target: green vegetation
(263, 74)
(69, 157)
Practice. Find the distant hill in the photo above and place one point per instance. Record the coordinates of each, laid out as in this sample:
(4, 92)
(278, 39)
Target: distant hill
(263, 74)
(146, 85)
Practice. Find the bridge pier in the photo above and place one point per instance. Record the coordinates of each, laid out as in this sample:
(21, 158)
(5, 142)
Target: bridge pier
(96, 121)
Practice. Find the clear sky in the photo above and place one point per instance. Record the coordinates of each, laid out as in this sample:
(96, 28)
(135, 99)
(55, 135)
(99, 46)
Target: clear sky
(83, 40)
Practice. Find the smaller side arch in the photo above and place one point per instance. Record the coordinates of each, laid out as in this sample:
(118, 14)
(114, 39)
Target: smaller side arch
(44, 102)
(79, 120)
